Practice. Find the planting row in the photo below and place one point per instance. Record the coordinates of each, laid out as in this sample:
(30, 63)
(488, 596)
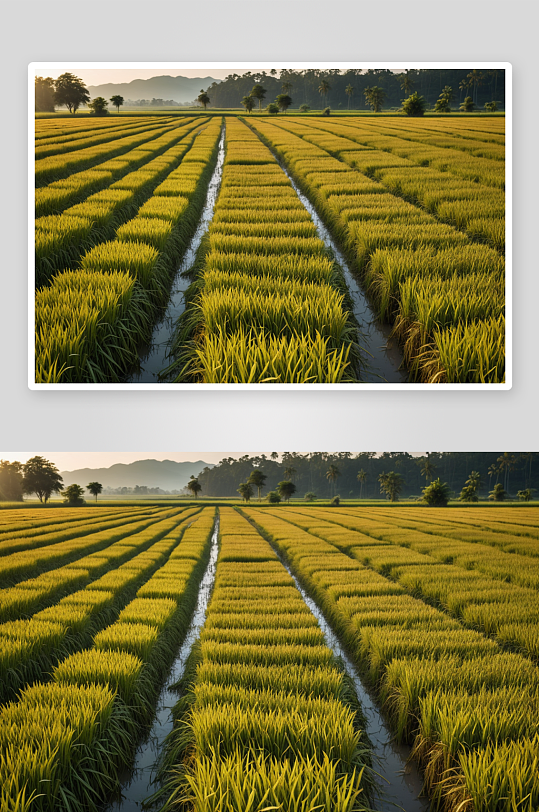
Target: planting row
(63, 743)
(90, 322)
(267, 720)
(269, 305)
(469, 709)
(444, 294)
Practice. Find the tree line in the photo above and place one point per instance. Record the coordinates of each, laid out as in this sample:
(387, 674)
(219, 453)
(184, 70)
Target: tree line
(40, 477)
(71, 92)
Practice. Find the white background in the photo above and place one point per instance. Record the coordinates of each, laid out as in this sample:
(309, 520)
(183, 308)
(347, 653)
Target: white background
(304, 30)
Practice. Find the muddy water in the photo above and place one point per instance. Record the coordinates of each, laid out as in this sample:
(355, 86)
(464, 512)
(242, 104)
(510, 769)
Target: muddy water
(137, 785)
(153, 358)
(383, 355)
(400, 782)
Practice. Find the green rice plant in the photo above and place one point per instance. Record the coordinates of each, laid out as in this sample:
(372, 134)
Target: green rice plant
(132, 257)
(134, 638)
(467, 353)
(164, 208)
(153, 231)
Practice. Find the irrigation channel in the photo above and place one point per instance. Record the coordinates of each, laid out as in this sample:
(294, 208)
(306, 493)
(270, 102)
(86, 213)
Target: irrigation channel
(137, 785)
(400, 782)
(384, 362)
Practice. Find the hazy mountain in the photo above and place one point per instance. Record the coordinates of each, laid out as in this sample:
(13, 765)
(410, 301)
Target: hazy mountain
(177, 88)
(164, 474)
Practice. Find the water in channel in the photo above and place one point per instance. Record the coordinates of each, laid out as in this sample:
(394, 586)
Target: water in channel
(400, 783)
(153, 357)
(137, 785)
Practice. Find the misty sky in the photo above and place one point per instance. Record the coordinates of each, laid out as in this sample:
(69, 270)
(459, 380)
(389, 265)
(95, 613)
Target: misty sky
(73, 460)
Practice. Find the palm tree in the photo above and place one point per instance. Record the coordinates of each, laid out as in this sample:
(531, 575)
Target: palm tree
(258, 92)
(324, 87)
(258, 479)
(391, 484)
(375, 97)
(463, 86)
(349, 90)
(245, 490)
(406, 82)
(507, 462)
(117, 101)
(494, 469)
(332, 474)
(361, 476)
(194, 486)
(471, 486)
(428, 469)
(248, 102)
(286, 489)
(95, 489)
(476, 79)
(289, 472)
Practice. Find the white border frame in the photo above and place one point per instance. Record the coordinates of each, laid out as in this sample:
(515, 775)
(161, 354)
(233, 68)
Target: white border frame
(209, 66)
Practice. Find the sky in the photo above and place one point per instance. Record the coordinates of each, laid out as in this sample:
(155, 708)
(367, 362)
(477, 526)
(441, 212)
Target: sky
(73, 460)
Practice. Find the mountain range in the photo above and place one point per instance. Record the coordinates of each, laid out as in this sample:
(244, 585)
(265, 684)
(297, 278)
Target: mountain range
(175, 88)
(165, 474)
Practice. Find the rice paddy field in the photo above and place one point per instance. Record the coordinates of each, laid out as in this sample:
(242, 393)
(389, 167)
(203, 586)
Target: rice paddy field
(434, 611)
(417, 206)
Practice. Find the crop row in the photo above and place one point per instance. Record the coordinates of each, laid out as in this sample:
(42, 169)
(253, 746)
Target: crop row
(268, 306)
(469, 709)
(90, 322)
(71, 127)
(63, 743)
(58, 145)
(444, 294)
(266, 720)
(30, 647)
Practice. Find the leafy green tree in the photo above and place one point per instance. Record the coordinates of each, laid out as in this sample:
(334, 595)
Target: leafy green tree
(272, 108)
(361, 478)
(467, 105)
(332, 474)
(258, 479)
(525, 495)
(414, 105)
(248, 102)
(117, 102)
(11, 481)
(273, 498)
(375, 97)
(437, 493)
(71, 92)
(98, 106)
(443, 104)
(95, 488)
(45, 97)
(304, 108)
(326, 111)
(349, 90)
(491, 107)
(194, 486)
(259, 93)
(283, 102)
(471, 486)
(286, 489)
(335, 501)
(203, 98)
(245, 491)
(406, 82)
(498, 493)
(73, 495)
(324, 88)
(310, 497)
(42, 478)
(391, 484)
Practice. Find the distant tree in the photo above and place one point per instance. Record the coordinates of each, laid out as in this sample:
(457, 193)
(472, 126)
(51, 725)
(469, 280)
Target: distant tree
(332, 475)
(304, 108)
(414, 105)
(73, 495)
(428, 468)
(248, 102)
(375, 97)
(391, 484)
(471, 486)
(286, 489)
(476, 79)
(326, 111)
(71, 92)
(443, 104)
(349, 90)
(283, 102)
(95, 489)
(258, 92)
(289, 472)
(467, 105)
(272, 108)
(287, 86)
(437, 493)
(11, 481)
(274, 456)
(335, 501)
(324, 88)
(258, 479)
(507, 463)
(246, 491)
(361, 478)
(45, 97)
(464, 85)
(491, 107)
(525, 495)
(203, 98)
(194, 486)
(406, 82)
(42, 478)
(310, 497)
(273, 498)
(117, 102)
(498, 494)
(98, 106)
